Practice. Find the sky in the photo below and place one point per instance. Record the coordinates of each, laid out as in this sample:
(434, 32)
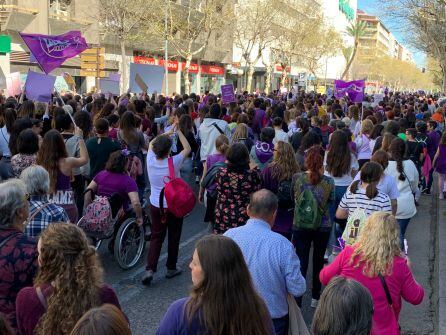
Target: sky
(373, 7)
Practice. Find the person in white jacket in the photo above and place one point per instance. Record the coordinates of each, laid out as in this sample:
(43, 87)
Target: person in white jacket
(211, 127)
(406, 174)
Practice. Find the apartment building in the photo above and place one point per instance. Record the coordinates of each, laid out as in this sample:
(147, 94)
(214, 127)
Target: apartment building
(378, 40)
(55, 17)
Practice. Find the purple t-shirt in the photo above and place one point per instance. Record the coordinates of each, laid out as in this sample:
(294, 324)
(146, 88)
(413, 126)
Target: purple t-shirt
(432, 143)
(110, 182)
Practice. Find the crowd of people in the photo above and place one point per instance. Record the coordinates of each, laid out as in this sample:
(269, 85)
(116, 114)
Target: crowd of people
(279, 174)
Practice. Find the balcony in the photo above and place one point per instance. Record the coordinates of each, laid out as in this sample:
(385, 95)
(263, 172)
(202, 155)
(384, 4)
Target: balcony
(16, 18)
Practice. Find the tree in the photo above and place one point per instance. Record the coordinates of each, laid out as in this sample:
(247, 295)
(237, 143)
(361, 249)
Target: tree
(356, 31)
(252, 31)
(190, 27)
(426, 22)
(121, 18)
(302, 37)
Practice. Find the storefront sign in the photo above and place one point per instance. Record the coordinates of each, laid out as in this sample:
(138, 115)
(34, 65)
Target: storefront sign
(345, 8)
(212, 69)
(143, 60)
(172, 65)
(193, 68)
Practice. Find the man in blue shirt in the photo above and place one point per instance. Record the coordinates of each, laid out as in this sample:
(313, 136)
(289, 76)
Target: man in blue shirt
(271, 259)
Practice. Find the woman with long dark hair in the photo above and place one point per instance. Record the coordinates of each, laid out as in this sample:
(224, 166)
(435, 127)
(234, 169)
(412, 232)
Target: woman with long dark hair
(133, 139)
(312, 188)
(277, 177)
(54, 158)
(341, 165)
(405, 173)
(223, 299)
(68, 284)
(234, 184)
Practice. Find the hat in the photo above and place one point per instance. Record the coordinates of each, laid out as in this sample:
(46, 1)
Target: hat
(347, 121)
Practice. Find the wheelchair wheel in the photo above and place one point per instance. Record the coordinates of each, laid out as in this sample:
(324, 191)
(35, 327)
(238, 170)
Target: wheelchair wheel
(129, 243)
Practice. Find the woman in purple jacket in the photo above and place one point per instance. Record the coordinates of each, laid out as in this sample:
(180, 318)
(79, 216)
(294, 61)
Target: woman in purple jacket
(223, 299)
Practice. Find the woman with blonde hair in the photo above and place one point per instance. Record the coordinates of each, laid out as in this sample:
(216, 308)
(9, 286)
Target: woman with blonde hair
(68, 284)
(277, 177)
(376, 261)
(363, 143)
(207, 185)
(241, 135)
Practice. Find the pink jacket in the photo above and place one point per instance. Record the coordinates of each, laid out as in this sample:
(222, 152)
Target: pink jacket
(401, 283)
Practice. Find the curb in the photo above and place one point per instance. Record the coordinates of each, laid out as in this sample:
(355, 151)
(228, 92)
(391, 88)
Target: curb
(441, 266)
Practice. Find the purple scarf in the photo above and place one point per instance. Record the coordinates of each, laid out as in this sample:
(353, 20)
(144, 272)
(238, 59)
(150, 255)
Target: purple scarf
(264, 151)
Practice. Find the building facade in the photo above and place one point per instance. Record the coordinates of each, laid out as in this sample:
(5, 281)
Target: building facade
(53, 17)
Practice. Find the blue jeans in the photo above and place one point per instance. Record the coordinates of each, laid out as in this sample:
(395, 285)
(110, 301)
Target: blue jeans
(403, 223)
(281, 325)
(337, 230)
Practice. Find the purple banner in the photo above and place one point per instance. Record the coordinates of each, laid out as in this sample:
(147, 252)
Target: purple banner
(51, 51)
(39, 86)
(227, 93)
(354, 89)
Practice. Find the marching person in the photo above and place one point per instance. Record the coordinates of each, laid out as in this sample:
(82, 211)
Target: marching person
(271, 260)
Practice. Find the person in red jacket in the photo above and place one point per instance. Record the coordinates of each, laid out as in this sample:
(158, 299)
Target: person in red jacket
(376, 261)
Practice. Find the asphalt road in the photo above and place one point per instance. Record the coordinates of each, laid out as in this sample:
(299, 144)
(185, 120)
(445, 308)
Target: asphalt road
(145, 306)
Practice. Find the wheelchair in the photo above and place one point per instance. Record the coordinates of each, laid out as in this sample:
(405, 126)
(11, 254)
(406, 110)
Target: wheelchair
(127, 239)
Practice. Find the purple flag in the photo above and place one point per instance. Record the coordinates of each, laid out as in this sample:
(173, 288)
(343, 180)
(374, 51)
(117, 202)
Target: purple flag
(354, 89)
(39, 86)
(51, 51)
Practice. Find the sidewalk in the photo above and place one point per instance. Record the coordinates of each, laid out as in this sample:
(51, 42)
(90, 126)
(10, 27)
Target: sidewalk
(419, 320)
(441, 269)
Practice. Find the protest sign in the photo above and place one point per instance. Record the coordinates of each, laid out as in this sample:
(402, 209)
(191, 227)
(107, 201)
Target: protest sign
(115, 76)
(144, 77)
(70, 81)
(227, 93)
(50, 51)
(13, 84)
(109, 86)
(38, 86)
(61, 84)
(320, 89)
(377, 98)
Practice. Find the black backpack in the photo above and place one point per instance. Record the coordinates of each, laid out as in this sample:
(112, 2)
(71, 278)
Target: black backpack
(285, 194)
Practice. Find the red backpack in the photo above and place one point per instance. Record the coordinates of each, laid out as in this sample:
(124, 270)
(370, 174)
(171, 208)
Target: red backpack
(179, 195)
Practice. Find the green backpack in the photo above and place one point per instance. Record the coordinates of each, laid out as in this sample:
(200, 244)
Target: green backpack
(307, 214)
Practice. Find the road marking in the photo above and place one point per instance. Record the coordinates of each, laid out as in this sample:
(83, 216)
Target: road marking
(137, 272)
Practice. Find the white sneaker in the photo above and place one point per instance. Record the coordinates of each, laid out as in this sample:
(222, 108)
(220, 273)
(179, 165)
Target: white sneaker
(314, 303)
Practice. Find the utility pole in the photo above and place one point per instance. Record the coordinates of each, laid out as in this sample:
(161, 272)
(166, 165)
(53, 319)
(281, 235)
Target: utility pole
(166, 68)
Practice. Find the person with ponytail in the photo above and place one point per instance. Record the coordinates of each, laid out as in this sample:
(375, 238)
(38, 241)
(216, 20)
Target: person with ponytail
(364, 194)
(323, 190)
(406, 174)
(68, 284)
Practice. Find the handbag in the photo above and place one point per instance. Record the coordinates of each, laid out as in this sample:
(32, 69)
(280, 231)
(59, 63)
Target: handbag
(388, 297)
(296, 325)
